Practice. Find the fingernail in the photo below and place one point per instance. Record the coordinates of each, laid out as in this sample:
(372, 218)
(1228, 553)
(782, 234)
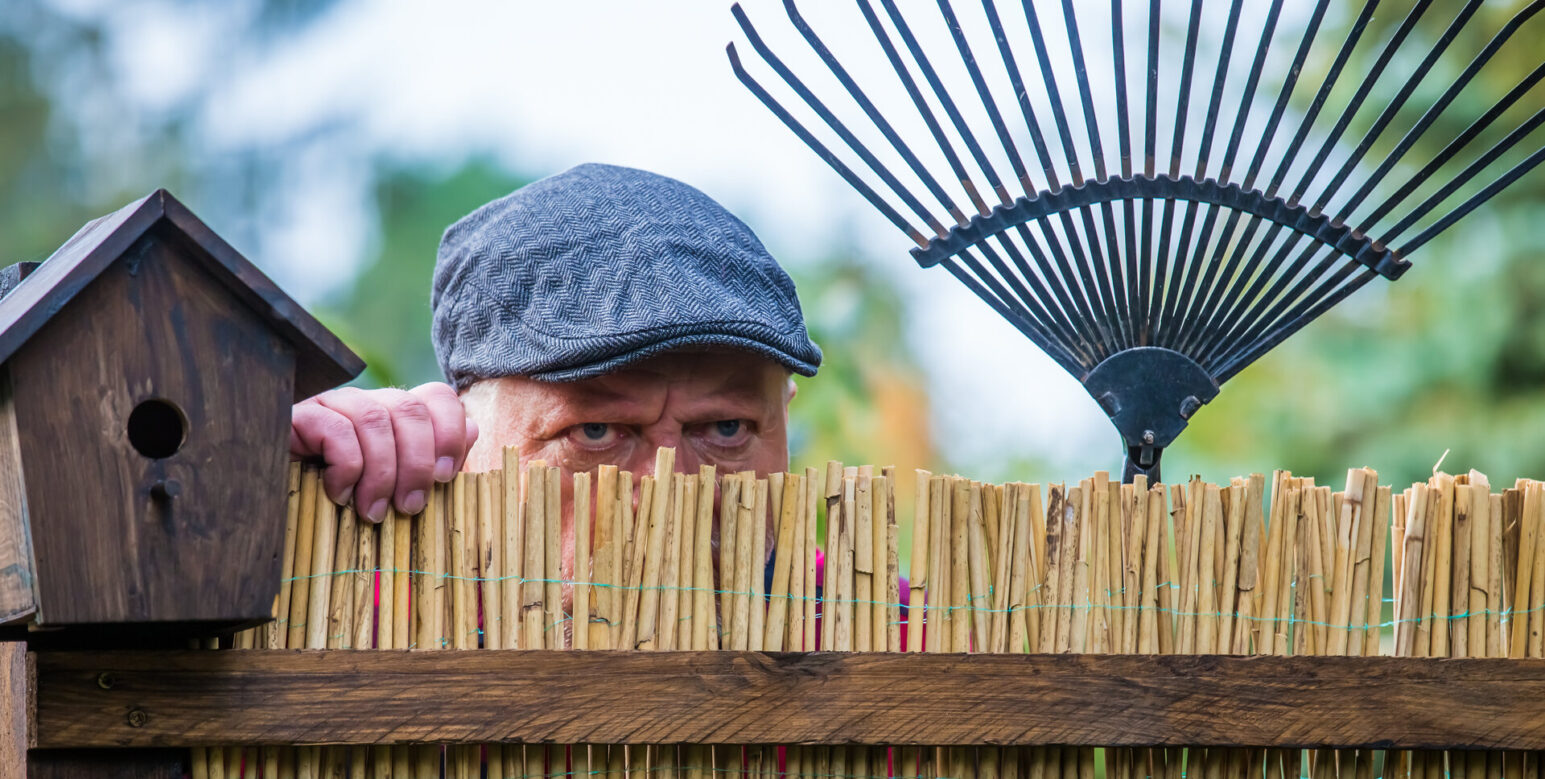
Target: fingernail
(346, 497)
(445, 469)
(414, 503)
(377, 511)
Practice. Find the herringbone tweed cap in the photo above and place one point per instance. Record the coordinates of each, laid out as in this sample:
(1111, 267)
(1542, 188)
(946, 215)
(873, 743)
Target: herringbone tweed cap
(582, 273)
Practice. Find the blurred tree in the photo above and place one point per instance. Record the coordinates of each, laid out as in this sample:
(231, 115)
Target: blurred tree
(77, 141)
(384, 313)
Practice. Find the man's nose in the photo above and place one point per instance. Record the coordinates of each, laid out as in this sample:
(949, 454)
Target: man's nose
(686, 460)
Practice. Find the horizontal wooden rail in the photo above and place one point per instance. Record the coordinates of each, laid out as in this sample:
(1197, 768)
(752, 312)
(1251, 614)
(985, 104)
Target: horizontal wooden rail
(258, 697)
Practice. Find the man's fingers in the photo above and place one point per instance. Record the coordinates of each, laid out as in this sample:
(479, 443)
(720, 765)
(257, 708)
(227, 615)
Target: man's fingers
(413, 427)
(450, 427)
(374, 430)
(318, 431)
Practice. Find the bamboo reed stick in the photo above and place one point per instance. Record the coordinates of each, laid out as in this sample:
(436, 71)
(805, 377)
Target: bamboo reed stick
(892, 537)
(1443, 581)
(829, 595)
(582, 542)
(1480, 564)
(651, 545)
(813, 490)
(792, 489)
(463, 595)
(745, 527)
(513, 508)
(960, 571)
(322, 568)
(702, 563)
(938, 560)
(554, 620)
(757, 628)
(670, 572)
(1495, 590)
(363, 580)
(300, 591)
(607, 564)
(863, 564)
(532, 604)
(980, 568)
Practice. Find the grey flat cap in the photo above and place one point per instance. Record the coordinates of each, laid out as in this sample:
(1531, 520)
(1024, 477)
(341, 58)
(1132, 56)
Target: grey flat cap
(585, 272)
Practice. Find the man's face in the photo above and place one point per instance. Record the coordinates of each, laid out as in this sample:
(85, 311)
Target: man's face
(727, 409)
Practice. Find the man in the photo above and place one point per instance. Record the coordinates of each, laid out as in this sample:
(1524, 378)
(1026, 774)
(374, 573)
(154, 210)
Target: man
(588, 319)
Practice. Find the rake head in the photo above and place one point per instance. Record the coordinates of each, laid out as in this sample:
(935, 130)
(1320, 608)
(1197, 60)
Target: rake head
(1154, 285)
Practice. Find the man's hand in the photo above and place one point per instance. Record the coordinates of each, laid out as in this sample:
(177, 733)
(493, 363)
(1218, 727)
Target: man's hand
(381, 446)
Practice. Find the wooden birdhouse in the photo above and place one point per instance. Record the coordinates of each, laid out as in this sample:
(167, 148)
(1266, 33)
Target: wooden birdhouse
(147, 371)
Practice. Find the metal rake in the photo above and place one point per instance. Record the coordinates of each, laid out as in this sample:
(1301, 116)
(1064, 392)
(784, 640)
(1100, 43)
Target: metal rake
(1154, 283)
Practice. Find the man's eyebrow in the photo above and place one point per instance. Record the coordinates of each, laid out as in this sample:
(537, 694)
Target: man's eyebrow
(739, 389)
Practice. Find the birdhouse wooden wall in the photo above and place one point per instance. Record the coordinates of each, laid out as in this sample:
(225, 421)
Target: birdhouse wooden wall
(144, 426)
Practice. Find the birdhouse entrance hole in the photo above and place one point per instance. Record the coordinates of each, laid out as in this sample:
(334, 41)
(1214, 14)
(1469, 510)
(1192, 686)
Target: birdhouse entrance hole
(157, 428)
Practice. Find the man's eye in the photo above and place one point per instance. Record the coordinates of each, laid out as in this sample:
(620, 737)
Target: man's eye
(727, 427)
(595, 434)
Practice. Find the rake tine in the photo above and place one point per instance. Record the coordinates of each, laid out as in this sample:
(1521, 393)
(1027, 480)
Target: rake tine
(1177, 147)
(1363, 90)
(1088, 300)
(1214, 328)
(1191, 292)
(1030, 329)
(1403, 95)
(1326, 302)
(993, 115)
(1037, 138)
(1075, 169)
(1282, 298)
(1124, 143)
(1052, 317)
(1219, 79)
(996, 117)
(1022, 97)
(835, 124)
(1286, 93)
(1252, 82)
(873, 113)
(1353, 36)
(1108, 267)
(1014, 281)
(1480, 197)
(1452, 149)
(929, 75)
(1053, 94)
(1251, 302)
(823, 152)
(1061, 282)
(910, 84)
(1470, 172)
(1150, 287)
(1209, 298)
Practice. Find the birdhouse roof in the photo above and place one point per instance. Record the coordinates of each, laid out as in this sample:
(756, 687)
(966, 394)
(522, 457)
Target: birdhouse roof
(321, 360)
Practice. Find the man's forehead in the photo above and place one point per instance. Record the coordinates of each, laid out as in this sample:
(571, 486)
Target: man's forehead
(718, 374)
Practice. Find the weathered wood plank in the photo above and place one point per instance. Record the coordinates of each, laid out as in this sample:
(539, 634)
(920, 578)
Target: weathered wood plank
(283, 696)
(16, 706)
